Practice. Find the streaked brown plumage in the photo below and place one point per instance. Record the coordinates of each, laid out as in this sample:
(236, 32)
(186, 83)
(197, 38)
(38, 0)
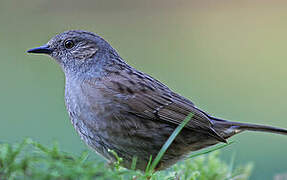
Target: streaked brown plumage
(114, 106)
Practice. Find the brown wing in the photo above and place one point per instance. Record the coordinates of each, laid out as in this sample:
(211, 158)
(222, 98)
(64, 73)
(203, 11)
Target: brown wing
(150, 99)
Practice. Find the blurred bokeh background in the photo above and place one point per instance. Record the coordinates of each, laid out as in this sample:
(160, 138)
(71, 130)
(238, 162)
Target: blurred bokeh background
(229, 57)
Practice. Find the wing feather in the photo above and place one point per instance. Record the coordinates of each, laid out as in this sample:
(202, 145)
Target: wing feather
(158, 102)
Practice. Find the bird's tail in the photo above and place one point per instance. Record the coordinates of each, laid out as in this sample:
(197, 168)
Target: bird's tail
(229, 128)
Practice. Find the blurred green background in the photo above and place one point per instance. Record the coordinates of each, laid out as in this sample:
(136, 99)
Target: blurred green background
(228, 57)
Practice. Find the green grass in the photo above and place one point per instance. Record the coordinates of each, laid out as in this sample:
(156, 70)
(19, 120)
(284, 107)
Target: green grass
(31, 160)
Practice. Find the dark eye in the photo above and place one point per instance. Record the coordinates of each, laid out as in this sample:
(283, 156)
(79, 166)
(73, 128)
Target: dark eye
(69, 44)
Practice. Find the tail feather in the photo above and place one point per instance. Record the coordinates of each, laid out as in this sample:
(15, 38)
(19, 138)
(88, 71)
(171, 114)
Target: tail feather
(229, 128)
(256, 127)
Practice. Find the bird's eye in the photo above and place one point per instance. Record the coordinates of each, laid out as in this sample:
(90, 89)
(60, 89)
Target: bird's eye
(69, 44)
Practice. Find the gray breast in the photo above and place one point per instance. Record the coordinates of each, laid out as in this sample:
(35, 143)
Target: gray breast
(85, 115)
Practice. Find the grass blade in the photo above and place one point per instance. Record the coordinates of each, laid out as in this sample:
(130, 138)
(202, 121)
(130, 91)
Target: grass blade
(215, 148)
(169, 141)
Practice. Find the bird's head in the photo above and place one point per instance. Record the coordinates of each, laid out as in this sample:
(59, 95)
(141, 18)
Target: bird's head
(77, 50)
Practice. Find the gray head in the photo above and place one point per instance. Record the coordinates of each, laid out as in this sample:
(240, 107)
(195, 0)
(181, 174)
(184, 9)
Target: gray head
(79, 51)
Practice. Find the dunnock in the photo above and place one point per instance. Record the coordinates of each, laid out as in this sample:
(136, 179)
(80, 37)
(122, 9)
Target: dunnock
(114, 106)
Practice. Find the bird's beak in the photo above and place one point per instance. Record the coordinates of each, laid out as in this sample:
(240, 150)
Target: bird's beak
(41, 50)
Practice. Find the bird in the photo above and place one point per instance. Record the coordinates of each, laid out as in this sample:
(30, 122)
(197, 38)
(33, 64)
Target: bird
(113, 106)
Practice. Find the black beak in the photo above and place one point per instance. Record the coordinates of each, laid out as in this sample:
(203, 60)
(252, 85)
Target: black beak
(41, 50)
